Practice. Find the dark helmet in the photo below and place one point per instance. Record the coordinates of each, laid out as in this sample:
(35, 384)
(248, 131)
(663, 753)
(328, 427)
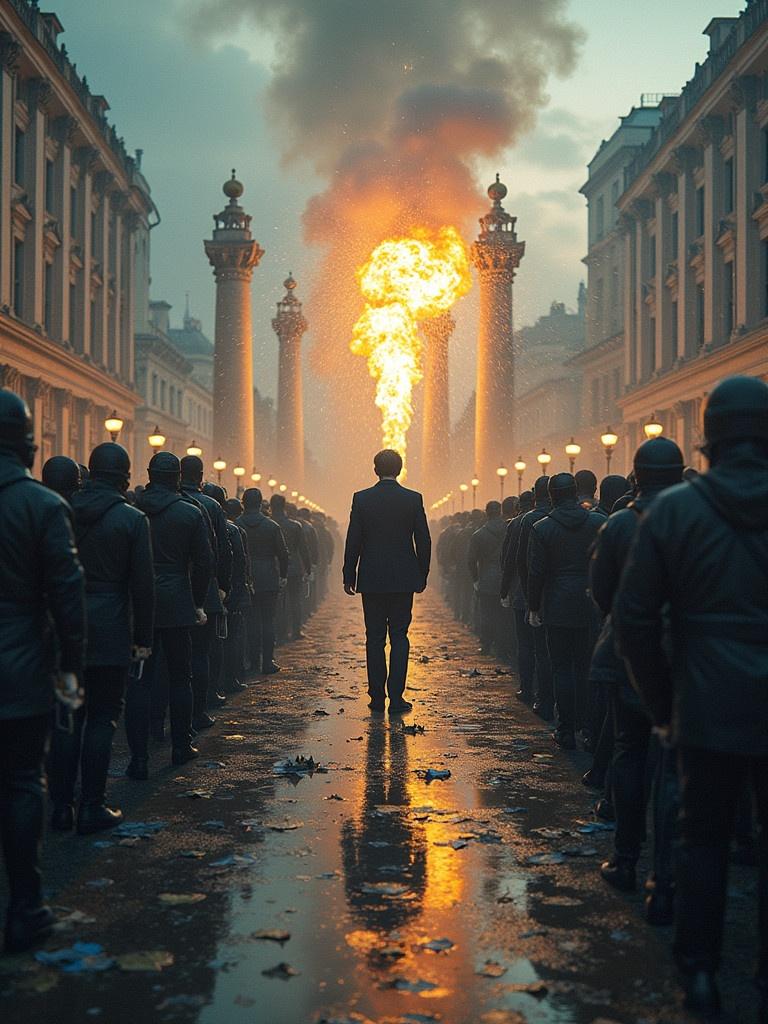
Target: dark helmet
(541, 490)
(252, 497)
(164, 468)
(561, 487)
(233, 508)
(612, 487)
(110, 460)
(191, 467)
(737, 410)
(586, 482)
(84, 474)
(62, 475)
(658, 462)
(16, 430)
(526, 501)
(214, 491)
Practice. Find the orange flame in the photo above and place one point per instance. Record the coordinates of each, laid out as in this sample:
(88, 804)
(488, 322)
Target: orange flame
(405, 280)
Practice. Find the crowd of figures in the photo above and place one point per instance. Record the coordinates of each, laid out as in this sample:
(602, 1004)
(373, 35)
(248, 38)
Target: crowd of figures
(165, 598)
(636, 621)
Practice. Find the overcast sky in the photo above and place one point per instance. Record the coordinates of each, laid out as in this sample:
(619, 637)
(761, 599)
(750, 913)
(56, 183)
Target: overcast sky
(196, 109)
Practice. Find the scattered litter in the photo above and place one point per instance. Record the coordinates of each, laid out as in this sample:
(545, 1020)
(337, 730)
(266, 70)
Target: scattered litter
(491, 969)
(436, 773)
(455, 844)
(587, 828)
(282, 970)
(579, 851)
(546, 858)
(145, 960)
(418, 985)
(129, 842)
(139, 829)
(320, 712)
(515, 810)
(503, 1017)
(412, 730)
(192, 854)
(213, 764)
(79, 958)
(437, 945)
(334, 796)
(271, 935)
(100, 883)
(549, 833)
(71, 919)
(534, 988)
(234, 860)
(234, 737)
(384, 889)
(534, 933)
(289, 825)
(542, 757)
(199, 794)
(214, 825)
(181, 899)
(298, 766)
(489, 836)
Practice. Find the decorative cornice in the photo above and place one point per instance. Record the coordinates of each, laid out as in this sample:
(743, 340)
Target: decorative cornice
(10, 52)
(492, 257)
(87, 157)
(682, 159)
(743, 93)
(10, 377)
(233, 261)
(710, 130)
(662, 183)
(65, 129)
(39, 93)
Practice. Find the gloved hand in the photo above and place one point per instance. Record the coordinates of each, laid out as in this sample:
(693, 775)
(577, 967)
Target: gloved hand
(505, 602)
(201, 617)
(534, 619)
(140, 653)
(69, 691)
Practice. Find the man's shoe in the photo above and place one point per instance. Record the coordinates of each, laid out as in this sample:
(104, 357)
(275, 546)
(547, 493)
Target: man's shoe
(400, 707)
(604, 810)
(543, 711)
(299, 636)
(235, 687)
(183, 755)
(701, 993)
(202, 721)
(62, 818)
(593, 779)
(376, 705)
(271, 669)
(137, 769)
(565, 739)
(25, 928)
(620, 874)
(660, 905)
(97, 818)
(216, 700)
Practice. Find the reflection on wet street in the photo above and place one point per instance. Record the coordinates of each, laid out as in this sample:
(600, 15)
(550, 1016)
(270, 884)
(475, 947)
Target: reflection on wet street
(362, 889)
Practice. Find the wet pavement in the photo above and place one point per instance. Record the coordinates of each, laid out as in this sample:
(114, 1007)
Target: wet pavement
(245, 889)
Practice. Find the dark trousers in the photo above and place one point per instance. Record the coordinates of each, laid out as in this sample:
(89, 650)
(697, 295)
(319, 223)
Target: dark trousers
(387, 614)
(491, 627)
(202, 638)
(665, 812)
(569, 654)
(710, 784)
(629, 772)
(89, 745)
(232, 667)
(173, 646)
(526, 654)
(261, 633)
(296, 604)
(544, 695)
(22, 805)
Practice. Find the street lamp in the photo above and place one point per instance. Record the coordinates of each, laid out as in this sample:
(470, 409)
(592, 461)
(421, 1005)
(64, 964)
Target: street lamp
(475, 484)
(239, 472)
(194, 449)
(463, 488)
(156, 439)
(572, 450)
(272, 484)
(653, 428)
(608, 441)
(501, 473)
(113, 425)
(544, 459)
(294, 495)
(219, 465)
(520, 467)
(302, 499)
(256, 477)
(283, 488)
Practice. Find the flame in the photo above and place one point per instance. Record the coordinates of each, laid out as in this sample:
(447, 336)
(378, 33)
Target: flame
(404, 281)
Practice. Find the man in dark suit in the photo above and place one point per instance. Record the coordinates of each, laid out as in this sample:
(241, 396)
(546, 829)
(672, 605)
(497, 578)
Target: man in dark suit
(386, 559)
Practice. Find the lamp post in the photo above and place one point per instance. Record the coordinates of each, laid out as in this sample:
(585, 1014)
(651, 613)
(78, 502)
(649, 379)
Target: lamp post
(501, 473)
(272, 484)
(608, 441)
(520, 467)
(572, 450)
(544, 459)
(475, 484)
(463, 488)
(194, 449)
(219, 465)
(239, 472)
(156, 440)
(283, 488)
(113, 425)
(256, 477)
(653, 428)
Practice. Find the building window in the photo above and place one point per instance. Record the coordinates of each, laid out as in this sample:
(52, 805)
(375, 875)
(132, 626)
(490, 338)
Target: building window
(600, 217)
(50, 186)
(616, 382)
(154, 390)
(599, 304)
(729, 310)
(614, 194)
(48, 298)
(18, 156)
(73, 339)
(73, 211)
(163, 389)
(700, 315)
(674, 330)
(729, 185)
(652, 256)
(18, 278)
(172, 400)
(615, 297)
(700, 210)
(652, 344)
(675, 233)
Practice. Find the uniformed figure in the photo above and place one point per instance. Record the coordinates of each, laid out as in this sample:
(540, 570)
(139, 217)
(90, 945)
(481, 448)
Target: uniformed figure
(62, 474)
(303, 517)
(299, 564)
(42, 634)
(558, 561)
(183, 562)
(268, 556)
(658, 464)
(543, 705)
(484, 563)
(700, 561)
(114, 546)
(512, 592)
(326, 551)
(207, 640)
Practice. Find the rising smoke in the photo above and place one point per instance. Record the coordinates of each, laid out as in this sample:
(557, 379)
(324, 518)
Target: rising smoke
(393, 103)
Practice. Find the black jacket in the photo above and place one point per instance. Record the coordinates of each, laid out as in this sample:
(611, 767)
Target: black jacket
(527, 522)
(220, 544)
(239, 596)
(267, 552)
(388, 547)
(299, 561)
(116, 553)
(558, 562)
(701, 549)
(484, 556)
(42, 595)
(510, 578)
(181, 555)
(310, 535)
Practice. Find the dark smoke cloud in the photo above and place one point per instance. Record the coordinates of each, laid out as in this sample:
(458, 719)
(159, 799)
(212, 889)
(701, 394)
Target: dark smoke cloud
(393, 103)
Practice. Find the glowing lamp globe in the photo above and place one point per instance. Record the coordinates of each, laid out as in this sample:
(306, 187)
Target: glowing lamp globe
(256, 477)
(194, 450)
(239, 471)
(520, 466)
(156, 439)
(609, 439)
(572, 450)
(219, 465)
(543, 458)
(653, 428)
(113, 425)
(283, 488)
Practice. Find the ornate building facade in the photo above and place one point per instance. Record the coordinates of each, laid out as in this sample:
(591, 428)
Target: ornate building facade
(75, 214)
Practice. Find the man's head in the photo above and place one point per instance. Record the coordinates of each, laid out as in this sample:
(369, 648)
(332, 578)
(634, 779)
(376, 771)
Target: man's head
(252, 499)
(658, 463)
(62, 475)
(493, 510)
(586, 483)
(736, 412)
(562, 488)
(476, 517)
(111, 464)
(16, 430)
(233, 509)
(215, 491)
(509, 506)
(277, 504)
(526, 501)
(305, 514)
(541, 490)
(612, 487)
(164, 470)
(192, 469)
(387, 463)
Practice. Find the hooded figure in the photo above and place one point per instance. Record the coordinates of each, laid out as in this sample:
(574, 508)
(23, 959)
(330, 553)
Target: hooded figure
(700, 561)
(62, 475)
(612, 488)
(484, 562)
(525, 636)
(558, 560)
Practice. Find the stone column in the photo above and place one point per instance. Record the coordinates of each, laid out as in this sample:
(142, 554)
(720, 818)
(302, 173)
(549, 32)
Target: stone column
(436, 426)
(683, 163)
(710, 132)
(749, 177)
(39, 92)
(496, 255)
(10, 53)
(65, 128)
(233, 253)
(627, 228)
(289, 325)
(663, 350)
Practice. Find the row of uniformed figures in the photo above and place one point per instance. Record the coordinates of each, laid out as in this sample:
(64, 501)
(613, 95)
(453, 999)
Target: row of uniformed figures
(167, 598)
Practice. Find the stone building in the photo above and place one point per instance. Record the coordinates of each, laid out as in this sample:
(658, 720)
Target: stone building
(75, 213)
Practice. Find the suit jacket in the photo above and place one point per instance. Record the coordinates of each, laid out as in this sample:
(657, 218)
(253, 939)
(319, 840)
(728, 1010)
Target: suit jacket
(267, 552)
(388, 545)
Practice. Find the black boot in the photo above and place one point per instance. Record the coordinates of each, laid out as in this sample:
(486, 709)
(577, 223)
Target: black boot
(564, 738)
(25, 927)
(97, 818)
(593, 779)
(22, 830)
(701, 993)
(183, 755)
(62, 818)
(138, 769)
(620, 873)
(659, 903)
(203, 721)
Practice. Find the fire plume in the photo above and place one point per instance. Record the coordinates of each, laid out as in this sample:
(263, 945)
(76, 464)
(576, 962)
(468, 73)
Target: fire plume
(404, 281)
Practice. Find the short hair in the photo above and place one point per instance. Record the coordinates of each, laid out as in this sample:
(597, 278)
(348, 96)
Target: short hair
(388, 462)
(191, 467)
(493, 509)
(277, 503)
(586, 482)
(252, 497)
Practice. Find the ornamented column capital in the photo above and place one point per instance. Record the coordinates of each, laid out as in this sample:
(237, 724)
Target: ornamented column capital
(710, 130)
(683, 159)
(10, 378)
(289, 324)
(39, 93)
(10, 52)
(65, 129)
(87, 157)
(743, 93)
(233, 261)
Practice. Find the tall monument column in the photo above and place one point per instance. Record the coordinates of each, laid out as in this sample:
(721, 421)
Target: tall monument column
(289, 325)
(233, 253)
(436, 427)
(496, 254)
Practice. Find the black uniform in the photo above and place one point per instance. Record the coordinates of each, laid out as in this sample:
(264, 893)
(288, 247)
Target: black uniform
(484, 564)
(237, 604)
(511, 588)
(268, 557)
(299, 565)
(544, 703)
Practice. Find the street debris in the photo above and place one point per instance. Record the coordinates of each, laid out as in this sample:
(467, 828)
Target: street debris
(491, 969)
(181, 899)
(281, 970)
(271, 935)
